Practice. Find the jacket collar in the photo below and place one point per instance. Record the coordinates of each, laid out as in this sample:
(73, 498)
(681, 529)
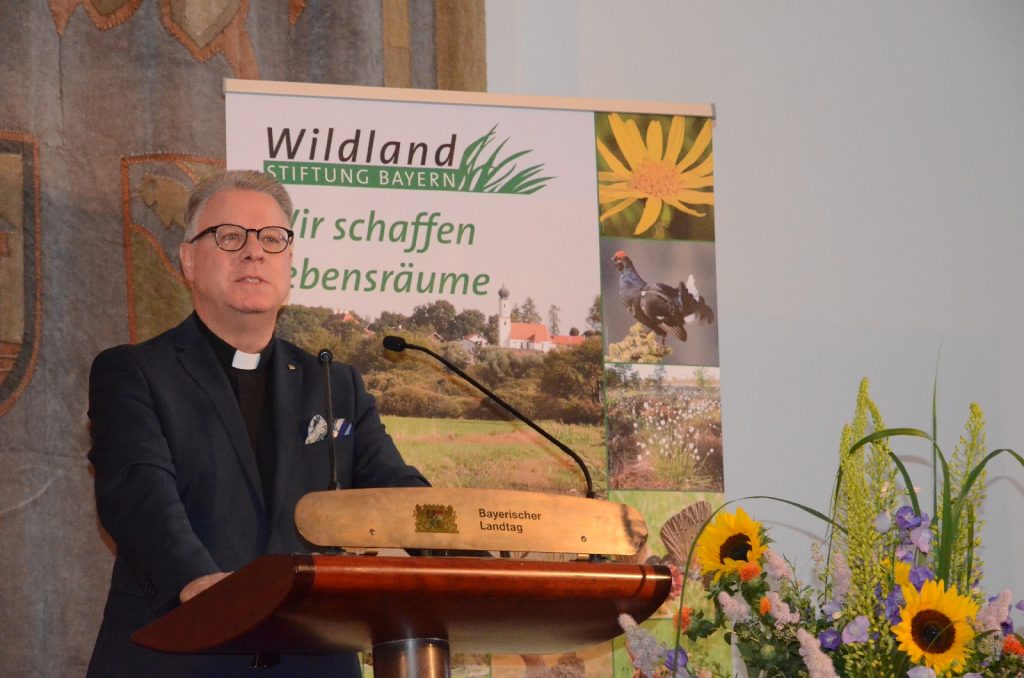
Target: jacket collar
(199, 360)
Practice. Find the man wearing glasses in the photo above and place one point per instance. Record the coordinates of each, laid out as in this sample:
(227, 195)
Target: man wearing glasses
(200, 435)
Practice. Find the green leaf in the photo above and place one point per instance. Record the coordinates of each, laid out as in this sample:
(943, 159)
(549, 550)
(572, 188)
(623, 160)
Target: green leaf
(907, 482)
(935, 429)
(891, 433)
(958, 506)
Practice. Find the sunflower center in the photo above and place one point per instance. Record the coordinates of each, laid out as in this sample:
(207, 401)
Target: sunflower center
(933, 631)
(657, 179)
(736, 547)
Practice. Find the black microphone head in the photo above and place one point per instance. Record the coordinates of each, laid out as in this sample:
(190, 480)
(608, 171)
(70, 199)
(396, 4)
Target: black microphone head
(325, 355)
(393, 343)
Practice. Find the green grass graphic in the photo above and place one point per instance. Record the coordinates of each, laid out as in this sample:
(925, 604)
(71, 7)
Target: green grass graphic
(496, 174)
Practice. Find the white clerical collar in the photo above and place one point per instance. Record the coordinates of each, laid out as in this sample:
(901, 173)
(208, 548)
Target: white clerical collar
(245, 361)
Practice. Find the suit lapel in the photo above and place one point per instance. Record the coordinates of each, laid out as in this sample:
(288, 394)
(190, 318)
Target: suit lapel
(198, 359)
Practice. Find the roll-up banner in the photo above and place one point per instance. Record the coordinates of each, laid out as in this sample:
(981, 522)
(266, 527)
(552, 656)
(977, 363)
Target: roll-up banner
(562, 251)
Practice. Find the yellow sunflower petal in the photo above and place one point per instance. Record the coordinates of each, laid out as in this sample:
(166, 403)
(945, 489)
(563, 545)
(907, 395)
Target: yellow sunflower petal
(695, 197)
(613, 162)
(627, 137)
(688, 181)
(635, 148)
(617, 183)
(700, 144)
(901, 573)
(651, 211)
(683, 208)
(655, 141)
(618, 208)
(675, 140)
(618, 192)
(705, 168)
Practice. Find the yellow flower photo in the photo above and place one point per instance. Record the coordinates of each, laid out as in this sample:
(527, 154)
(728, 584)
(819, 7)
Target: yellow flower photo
(653, 185)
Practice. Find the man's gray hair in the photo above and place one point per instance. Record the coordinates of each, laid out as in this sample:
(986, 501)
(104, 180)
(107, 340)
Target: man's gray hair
(241, 180)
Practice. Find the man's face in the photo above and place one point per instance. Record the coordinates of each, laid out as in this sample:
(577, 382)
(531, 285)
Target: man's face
(226, 285)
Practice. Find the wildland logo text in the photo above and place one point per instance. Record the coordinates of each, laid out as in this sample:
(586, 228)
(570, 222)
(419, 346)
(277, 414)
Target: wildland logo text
(368, 159)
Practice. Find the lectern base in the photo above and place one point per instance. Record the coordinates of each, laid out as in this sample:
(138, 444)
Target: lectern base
(415, 658)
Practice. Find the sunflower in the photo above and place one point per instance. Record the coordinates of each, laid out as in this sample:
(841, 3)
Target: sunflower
(933, 626)
(654, 171)
(729, 543)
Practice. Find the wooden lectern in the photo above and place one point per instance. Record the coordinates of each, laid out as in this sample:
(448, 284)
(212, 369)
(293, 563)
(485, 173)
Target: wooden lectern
(411, 611)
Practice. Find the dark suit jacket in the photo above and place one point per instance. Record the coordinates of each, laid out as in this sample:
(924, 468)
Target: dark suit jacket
(178, 489)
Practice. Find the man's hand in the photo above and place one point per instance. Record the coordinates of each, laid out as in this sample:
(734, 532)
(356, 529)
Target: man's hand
(200, 584)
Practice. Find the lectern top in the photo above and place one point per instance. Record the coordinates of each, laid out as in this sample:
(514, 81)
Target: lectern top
(326, 604)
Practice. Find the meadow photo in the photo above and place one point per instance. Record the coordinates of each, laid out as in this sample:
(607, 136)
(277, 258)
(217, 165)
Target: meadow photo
(500, 454)
(664, 427)
(453, 433)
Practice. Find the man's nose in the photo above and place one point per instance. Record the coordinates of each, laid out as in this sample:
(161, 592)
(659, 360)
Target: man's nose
(252, 249)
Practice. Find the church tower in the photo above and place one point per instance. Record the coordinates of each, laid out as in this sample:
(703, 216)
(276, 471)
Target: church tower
(504, 318)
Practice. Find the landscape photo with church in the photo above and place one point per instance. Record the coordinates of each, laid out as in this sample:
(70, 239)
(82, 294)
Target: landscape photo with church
(523, 351)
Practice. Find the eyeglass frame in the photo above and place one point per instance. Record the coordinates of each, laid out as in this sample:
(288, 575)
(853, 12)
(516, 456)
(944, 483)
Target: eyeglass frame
(290, 236)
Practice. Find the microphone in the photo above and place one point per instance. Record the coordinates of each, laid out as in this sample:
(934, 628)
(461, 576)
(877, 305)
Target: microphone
(398, 344)
(325, 357)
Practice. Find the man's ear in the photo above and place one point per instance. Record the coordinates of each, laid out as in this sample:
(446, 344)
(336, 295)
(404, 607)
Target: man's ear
(187, 263)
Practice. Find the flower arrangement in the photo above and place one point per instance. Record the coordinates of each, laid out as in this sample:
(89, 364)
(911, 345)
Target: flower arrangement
(894, 589)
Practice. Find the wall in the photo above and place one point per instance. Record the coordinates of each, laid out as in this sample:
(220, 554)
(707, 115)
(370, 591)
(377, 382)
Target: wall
(110, 113)
(868, 220)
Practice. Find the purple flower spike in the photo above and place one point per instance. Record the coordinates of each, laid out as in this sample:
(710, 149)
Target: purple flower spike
(1020, 605)
(856, 631)
(919, 575)
(829, 639)
(893, 602)
(920, 672)
(905, 554)
(921, 537)
(906, 519)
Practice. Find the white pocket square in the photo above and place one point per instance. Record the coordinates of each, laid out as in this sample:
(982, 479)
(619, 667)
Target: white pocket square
(317, 429)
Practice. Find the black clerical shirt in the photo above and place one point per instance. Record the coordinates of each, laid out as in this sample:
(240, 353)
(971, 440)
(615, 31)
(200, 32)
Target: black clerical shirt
(253, 392)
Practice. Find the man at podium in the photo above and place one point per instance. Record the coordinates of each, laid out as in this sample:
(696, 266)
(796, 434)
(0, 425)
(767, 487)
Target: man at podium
(206, 436)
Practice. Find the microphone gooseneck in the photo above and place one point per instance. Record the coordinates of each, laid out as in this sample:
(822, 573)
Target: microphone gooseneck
(399, 344)
(325, 357)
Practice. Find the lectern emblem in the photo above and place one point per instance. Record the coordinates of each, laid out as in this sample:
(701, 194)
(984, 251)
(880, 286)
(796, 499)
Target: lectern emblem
(436, 518)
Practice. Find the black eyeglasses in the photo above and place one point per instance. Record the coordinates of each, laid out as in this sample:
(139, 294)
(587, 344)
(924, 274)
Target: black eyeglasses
(232, 237)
